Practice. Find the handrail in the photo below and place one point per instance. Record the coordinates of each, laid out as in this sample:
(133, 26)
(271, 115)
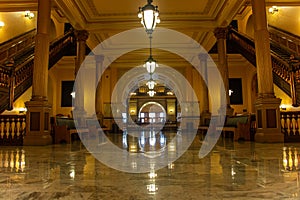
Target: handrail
(14, 46)
(287, 71)
(285, 40)
(17, 77)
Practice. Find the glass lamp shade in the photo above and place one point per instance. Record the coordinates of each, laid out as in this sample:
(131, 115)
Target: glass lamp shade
(149, 16)
(151, 84)
(151, 93)
(150, 65)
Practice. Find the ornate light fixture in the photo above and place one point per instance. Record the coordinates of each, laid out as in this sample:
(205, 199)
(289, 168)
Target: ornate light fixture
(150, 63)
(149, 16)
(151, 83)
(151, 93)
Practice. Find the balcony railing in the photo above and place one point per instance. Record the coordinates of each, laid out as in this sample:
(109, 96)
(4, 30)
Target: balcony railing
(12, 130)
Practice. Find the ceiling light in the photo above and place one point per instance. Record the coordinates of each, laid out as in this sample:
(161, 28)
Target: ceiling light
(151, 93)
(149, 16)
(150, 65)
(151, 84)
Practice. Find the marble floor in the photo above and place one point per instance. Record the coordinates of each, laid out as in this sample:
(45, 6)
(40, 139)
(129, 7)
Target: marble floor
(232, 170)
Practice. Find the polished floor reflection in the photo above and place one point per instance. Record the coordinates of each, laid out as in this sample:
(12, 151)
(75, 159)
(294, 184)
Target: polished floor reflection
(233, 170)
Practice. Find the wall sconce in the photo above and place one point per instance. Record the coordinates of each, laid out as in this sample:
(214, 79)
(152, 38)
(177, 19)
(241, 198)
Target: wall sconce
(230, 92)
(1, 24)
(22, 110)
(273, 9)
(29, 14)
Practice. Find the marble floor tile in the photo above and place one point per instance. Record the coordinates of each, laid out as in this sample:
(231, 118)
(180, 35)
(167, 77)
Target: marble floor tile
(232, 170)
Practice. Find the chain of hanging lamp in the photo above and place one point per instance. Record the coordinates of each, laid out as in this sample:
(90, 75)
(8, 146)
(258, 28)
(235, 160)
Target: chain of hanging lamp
(149, 16)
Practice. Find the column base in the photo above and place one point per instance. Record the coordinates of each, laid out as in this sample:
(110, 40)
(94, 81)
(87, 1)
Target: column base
(268, 120)
(37, 123)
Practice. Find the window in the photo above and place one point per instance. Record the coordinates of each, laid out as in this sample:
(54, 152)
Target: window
(66, 90)
(235, 91)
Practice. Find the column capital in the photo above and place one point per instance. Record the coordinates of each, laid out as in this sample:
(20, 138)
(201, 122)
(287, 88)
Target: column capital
(221, 32)
(81, 35)
(202, 56)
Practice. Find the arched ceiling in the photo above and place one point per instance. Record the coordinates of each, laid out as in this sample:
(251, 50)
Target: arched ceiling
(103, 19)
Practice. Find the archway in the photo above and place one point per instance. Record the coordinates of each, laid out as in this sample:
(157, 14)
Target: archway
(152, 113)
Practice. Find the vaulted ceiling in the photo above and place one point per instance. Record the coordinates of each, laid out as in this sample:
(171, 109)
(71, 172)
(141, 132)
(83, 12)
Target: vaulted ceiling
(104, 19)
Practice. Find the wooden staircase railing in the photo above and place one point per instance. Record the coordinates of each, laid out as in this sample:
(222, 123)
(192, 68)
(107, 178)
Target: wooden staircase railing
(15, 79)
(14, 46)
(286, 75)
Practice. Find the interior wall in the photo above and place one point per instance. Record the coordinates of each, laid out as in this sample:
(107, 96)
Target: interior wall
(61, 72)
(15, 24)
(287, 18)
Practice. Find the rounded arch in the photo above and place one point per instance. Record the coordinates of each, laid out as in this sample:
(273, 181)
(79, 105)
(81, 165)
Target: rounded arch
(250, 26)
(156, 104)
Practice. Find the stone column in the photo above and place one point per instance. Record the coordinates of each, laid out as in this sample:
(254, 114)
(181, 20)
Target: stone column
(99, 100)
(221, 35)
(79, 112)
(205, 114)
(267, 105)
(38, 108)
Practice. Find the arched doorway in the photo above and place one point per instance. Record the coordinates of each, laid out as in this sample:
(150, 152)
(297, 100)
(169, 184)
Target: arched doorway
(152, 113)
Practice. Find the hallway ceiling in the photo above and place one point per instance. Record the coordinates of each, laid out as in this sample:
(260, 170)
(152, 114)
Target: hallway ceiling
(103, 19)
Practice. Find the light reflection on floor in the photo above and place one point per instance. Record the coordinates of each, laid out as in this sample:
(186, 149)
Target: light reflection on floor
(233, 170)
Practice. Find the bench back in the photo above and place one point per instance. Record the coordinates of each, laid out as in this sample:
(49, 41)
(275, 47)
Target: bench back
(234, 120)
(69, 122)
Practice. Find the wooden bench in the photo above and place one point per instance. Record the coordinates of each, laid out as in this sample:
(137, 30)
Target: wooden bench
(238, 125)
(64, 128)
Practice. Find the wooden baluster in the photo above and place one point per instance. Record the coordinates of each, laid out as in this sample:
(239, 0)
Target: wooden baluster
(288, 122)
(293, 124)
(18, 126)
(282, 122)
(23, 129)
(13, 128)
(296, 124)
(7, 126)
(1, 131)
